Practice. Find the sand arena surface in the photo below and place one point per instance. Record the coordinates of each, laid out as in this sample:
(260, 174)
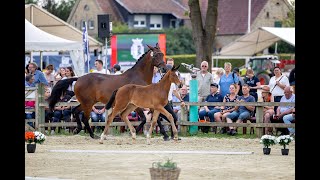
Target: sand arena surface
(83, 165)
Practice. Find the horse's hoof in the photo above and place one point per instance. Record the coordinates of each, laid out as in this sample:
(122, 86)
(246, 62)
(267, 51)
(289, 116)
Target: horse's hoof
(93, 136)
(76, 131)
(101, 141)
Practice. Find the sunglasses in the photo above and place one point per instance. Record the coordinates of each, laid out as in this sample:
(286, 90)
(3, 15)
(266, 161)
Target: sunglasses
(203, 66)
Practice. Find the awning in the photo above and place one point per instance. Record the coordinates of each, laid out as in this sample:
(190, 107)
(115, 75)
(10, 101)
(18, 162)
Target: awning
(258, 40)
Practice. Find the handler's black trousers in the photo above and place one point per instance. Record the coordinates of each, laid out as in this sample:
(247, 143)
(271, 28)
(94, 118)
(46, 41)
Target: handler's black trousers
(169, 108)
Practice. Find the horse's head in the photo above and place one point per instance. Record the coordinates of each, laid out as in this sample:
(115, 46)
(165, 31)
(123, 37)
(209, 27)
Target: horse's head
(157, 57)
(173, 77)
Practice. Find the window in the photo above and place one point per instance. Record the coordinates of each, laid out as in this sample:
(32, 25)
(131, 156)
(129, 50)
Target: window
(139, 21)
(155, 22)
(277, 24)
(75, 24)
(91, 24)
(173, 23)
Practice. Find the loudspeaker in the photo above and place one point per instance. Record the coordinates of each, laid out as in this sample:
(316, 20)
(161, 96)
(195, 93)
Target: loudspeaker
(103, 26)
(95, 52)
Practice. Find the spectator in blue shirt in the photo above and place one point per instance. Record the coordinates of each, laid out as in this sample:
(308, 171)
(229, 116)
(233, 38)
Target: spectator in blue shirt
(213, 97)
(156, 75)
(227, 79)
(38, 75)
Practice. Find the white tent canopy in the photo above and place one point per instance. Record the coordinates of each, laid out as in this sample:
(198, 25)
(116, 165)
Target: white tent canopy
(38, 40)
(258, 40)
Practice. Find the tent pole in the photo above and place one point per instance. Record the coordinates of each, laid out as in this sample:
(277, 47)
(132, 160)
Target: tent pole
(41, 60)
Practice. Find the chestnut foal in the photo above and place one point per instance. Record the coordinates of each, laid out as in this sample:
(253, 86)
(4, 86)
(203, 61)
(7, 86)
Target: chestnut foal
(154, 96)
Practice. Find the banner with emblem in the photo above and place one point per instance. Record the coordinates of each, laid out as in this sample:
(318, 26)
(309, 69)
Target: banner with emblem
(126, 49)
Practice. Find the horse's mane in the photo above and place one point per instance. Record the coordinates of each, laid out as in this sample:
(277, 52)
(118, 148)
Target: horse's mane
(141, 57)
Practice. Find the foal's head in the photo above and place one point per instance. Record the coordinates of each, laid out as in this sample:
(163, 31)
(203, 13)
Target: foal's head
(173, 77)
(157, 57)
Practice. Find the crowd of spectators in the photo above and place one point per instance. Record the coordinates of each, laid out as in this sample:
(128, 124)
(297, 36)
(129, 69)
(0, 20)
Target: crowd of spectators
(225, 86)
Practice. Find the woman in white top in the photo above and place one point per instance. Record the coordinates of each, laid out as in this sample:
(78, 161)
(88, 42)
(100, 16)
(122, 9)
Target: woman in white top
(277, 84)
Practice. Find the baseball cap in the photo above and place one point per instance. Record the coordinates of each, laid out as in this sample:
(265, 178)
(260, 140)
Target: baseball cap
(215, 85)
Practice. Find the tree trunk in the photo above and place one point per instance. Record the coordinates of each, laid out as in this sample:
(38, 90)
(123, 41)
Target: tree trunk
(203, 35)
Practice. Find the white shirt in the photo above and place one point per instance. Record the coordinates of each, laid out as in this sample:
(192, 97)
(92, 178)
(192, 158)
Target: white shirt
(277, 91)
(172, 87)
(102, 71)
(118, 72)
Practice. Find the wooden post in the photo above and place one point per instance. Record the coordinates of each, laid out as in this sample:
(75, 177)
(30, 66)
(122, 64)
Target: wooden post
(40, 115)
(259, 119)
(184, 117)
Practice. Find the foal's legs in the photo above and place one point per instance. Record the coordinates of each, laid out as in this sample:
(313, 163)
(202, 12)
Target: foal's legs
(163, 111)
(86, 115)
(154, 120)
(124, 117)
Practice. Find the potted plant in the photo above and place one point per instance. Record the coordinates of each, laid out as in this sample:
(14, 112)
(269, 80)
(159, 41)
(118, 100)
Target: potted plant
(267, 140)
(167, 170)
(33, 138)
(284, 140)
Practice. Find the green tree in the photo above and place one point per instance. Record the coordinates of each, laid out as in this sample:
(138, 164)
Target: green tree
(61, 10)
(203, 34)
(31, 1)
(179, 41)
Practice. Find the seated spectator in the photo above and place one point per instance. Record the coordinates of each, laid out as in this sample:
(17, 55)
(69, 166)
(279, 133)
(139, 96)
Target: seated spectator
(29, 79)
(30, 115)
(225, 110)
(98, 115)
(213, 97)
(47, 113)
(284, 110)
(61, 112)
(61, 73)
(185, 97)
(268, 111)
(287, 119)
(48, 74)
(241, 112)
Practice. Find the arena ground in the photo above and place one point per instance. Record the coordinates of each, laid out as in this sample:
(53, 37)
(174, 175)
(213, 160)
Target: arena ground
(80, 157)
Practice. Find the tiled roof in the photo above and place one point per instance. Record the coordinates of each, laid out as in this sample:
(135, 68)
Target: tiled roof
(155, 6)
(233, 15)
(108, 7)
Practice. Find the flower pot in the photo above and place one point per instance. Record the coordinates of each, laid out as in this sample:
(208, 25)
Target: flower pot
(284, 151)
(164, 173)
(266, 151)
(31, 148)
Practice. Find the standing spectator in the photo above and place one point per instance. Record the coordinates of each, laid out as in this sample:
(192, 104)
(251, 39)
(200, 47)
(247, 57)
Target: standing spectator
(170, 61)
(253, 82)
(156, 75)
(48, 74)
(117, 69)
(99, 67)
(38, 75)
(292, 79)
(226, 79)
(204, 80)
(225, 110)
(219, 73)
(214, 96)
(241, 112)
(277, 84)
(236, 71)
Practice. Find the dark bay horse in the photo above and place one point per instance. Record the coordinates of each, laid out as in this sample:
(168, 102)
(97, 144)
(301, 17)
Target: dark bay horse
(94, 87)
(153, 96)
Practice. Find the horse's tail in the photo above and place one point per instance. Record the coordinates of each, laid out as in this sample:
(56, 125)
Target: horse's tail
(110, 102)
(58, 89)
